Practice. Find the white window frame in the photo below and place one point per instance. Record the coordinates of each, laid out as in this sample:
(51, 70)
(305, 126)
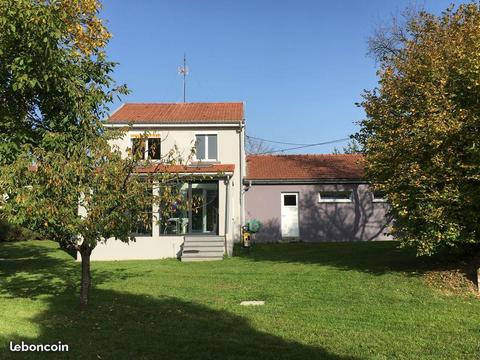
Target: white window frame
(147, 145)
(323, 200)
(206, 133)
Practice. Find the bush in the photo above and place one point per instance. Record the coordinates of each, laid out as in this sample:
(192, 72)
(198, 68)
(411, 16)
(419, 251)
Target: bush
(10, 232)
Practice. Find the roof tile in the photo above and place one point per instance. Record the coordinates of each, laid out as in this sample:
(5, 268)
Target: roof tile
(150, 113)
(305, 167)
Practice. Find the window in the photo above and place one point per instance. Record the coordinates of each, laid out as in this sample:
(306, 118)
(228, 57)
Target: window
(378, 196)
(289, 200)
(335, 196)
(154, 146)
(193, 210)
(138, 148)
(206, 147)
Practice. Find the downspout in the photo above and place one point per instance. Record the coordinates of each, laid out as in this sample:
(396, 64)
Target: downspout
(227, 212)
(240, 152)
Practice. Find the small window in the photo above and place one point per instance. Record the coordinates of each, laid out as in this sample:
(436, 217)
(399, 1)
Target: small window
(154, 146)
(379, 196)
(335, 196)
(206, 147)
(138, 148)
(290, 200)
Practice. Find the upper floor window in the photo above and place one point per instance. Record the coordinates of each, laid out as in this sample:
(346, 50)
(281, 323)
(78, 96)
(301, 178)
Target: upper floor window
(206, 147)
(150, 147)
(154, 146)
(138, 148)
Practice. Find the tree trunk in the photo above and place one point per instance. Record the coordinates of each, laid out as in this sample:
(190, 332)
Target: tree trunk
(85, 282)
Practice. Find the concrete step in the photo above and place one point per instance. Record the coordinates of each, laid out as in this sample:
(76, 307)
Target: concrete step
(203, 248)
(203, 243)
(193, 253)
(191, 259)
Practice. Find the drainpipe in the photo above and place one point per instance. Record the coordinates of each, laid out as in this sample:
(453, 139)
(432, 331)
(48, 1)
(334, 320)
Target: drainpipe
(240, 152)
(227, 212)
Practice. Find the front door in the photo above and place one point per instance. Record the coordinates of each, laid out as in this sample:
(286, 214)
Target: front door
(290, 215)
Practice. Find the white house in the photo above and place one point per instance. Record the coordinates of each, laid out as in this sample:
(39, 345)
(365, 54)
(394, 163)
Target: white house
(217, 130)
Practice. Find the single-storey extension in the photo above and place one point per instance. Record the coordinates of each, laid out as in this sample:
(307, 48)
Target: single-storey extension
(313, 198)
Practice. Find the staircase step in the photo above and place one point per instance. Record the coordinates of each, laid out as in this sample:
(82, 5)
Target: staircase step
(203, 248)
(191, 259)
(204, 237)
(203, 254)
(203, 243)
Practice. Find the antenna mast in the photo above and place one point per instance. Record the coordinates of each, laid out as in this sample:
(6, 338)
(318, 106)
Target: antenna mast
(183, 70)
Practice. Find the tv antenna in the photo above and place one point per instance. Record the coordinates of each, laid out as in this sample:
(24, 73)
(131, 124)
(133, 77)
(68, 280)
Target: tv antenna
(183, 70)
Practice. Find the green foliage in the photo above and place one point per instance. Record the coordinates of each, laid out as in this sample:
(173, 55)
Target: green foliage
(54, 76)
(85, 196)
(421, 134)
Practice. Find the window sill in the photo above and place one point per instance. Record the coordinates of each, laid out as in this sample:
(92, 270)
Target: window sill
(200, 162)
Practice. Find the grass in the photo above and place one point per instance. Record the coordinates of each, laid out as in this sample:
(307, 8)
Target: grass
(323, 301)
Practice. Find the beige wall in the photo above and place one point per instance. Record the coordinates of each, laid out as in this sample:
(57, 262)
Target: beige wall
(230, 151)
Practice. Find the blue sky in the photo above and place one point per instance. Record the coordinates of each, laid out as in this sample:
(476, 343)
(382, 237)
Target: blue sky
(300, 65)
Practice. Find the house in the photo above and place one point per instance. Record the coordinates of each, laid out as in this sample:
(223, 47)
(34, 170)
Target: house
(215, 175)
(296, 197)
(313, 198)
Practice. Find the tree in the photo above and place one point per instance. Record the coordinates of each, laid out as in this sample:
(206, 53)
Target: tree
(255, 146)
(55, 87)
(352, 147)
(54, 76)
(112, 193)
(421, 134)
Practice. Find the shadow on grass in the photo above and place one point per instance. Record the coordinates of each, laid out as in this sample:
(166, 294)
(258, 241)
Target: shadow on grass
(120, 325)
(31, 269)
(377, 257)
(126, 326)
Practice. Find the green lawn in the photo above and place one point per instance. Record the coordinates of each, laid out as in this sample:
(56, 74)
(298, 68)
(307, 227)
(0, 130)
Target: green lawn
(333, 301)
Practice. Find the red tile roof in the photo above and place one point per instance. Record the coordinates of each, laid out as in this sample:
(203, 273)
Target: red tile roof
(208, 169)
(151, 113)
(305, 167)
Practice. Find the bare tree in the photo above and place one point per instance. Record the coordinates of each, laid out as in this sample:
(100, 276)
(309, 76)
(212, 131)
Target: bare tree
(387, 40)
(255, 146)
(352, 147)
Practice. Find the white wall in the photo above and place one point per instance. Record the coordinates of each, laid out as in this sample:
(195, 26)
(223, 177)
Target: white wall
(230, 149)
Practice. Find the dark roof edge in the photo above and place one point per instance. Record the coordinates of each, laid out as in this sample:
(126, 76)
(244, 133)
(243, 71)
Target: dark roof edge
(247, 181)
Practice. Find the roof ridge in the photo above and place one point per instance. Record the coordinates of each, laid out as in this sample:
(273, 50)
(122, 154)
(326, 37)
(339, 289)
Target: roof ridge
(182, 103)
(302, 155)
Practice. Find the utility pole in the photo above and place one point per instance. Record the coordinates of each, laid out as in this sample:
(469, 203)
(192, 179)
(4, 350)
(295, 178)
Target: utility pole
(183, 70)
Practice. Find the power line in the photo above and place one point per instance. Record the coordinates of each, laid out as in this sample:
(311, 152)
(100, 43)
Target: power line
(304, 146)
(275, 142)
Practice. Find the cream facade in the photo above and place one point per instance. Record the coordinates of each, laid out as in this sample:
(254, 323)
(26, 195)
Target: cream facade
(220, 217)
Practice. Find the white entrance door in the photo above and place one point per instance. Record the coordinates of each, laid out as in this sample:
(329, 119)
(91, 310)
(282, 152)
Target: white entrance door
(290, 215)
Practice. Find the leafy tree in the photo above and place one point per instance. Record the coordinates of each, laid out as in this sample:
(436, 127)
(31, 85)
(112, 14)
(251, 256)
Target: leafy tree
(421, 135)
(55, 86)
(88, 196)
(54, 76)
